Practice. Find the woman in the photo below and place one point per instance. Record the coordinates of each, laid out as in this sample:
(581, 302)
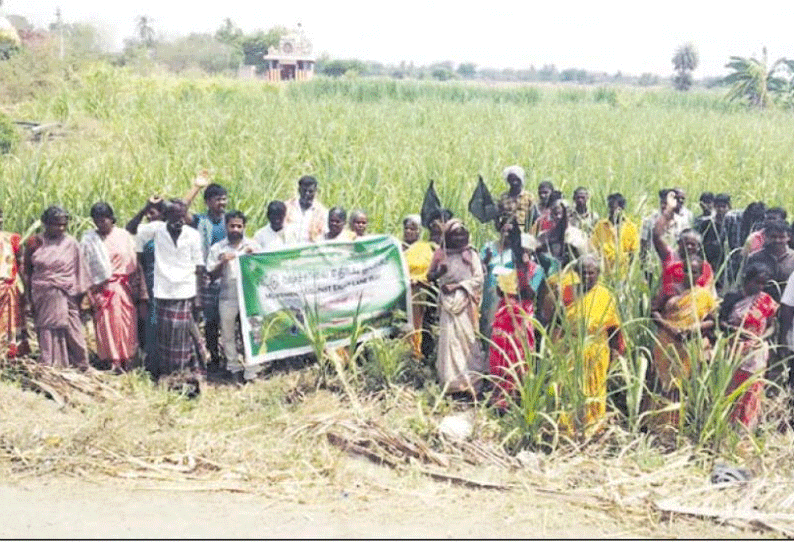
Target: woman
(683, 313)
(495, 255)
(418, 254)
(55, 284)
(593, 319)
(544, 221)
(154, 211)
(12, 342)
(337, 230)
(749, 315)
(116, 288)
(458, 269)
(513, 330)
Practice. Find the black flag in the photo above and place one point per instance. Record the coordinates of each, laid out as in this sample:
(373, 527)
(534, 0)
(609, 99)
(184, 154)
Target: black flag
(481, 204)
(430, 205)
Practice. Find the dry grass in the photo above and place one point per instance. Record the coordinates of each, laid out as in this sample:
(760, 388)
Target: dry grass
(282, 436)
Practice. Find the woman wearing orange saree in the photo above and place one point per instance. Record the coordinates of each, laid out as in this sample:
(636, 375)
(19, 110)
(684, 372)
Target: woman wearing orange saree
(684, 316)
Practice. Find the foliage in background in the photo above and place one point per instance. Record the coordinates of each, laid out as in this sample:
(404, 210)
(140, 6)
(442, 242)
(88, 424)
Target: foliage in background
(685, 60)
(9, 136)
(757, 84)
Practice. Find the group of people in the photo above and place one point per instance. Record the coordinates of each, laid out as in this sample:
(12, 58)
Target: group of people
(558, 265)
(148, 285)
(553, 265)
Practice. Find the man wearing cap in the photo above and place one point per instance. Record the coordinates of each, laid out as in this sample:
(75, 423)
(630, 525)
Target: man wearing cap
(516, 202)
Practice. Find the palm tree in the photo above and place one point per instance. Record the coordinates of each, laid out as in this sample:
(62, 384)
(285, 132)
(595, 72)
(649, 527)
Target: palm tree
(754, 80)
(145, 30)
(685, 60)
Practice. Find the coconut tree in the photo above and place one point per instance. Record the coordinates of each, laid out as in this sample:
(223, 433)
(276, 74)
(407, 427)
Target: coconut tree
(145, 31)
(754, 80)
(685, 60)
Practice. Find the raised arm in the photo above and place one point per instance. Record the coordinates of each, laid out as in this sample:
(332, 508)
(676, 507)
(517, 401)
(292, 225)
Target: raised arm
(199, 183)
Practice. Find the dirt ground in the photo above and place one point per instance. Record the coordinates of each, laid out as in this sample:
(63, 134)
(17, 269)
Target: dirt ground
(69, 508)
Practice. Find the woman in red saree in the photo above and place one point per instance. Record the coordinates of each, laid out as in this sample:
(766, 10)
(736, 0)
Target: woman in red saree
(749, 314)
(11, 322)
(513, 332)
(116, 288)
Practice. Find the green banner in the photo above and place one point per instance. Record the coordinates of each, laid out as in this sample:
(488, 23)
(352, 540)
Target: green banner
(288, 294)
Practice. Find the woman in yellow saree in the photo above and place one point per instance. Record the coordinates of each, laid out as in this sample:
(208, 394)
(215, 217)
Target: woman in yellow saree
(684, 315)
(593, 318)
(418, 254)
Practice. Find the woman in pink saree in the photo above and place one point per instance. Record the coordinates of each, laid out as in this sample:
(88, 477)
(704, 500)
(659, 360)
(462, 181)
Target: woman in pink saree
(116, 288)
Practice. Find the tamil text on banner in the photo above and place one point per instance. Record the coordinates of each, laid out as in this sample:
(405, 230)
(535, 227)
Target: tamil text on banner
(288, 294)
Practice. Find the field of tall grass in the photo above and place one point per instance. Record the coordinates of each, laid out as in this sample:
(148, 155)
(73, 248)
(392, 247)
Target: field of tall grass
(376, 144)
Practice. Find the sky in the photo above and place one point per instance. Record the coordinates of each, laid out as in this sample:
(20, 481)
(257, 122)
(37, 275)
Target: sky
(632, 37)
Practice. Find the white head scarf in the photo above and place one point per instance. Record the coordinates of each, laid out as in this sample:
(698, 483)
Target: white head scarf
(518, 171)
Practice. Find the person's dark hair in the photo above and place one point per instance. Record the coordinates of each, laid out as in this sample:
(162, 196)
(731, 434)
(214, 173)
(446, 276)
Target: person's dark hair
(753, 214)
(580, 189)
(53, 212)
(663, 193)
(337, 211)
(776, 226)
(276, 208)
(555, 196)
(755, 269)
(707, 197)
(102, 210)
(160, 206)
(619, 200)
(307, 179)
(546, 184)
(173, 204)
(722, 198)
(231, 215)
(214, 190)
(779, 211)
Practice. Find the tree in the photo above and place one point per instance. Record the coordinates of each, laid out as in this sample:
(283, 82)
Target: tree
(145, 31)
(754, 81)
(685, 60)
(467, 70)
(229, 33)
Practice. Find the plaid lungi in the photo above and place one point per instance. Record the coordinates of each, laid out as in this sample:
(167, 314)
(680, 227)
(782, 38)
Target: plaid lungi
(175, 340)
(209, 300)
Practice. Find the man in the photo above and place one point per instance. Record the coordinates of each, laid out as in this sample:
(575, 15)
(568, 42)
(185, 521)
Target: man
(580, 216)
(178, 281)
(615, 238)
(306, 217)
(706, 203)
(714, 232)
(211, 227)
(516, 202)
(222, 267)
(755, 241)
(777, 255)
(272, 236)
(681, 221)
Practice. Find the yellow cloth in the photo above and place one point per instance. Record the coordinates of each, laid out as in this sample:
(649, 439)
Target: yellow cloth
(671, 356)
(593, 314)
(418, 257)
(616, 245)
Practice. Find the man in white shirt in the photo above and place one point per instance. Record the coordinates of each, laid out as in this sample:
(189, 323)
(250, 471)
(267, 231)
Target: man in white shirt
(272, 236)
(306, 217)
(221, 264)
(178, 274)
